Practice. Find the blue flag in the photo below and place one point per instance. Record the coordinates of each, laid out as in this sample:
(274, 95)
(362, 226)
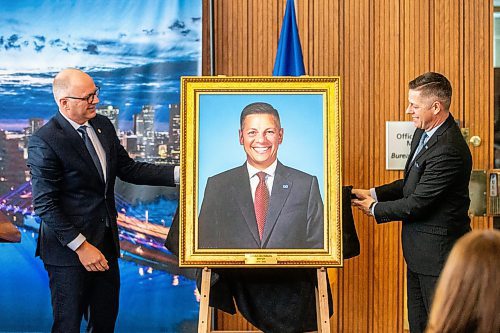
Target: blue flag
(289, 60)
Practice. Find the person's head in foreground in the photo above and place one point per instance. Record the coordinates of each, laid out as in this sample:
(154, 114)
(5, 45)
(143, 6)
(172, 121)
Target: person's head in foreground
(467, 297)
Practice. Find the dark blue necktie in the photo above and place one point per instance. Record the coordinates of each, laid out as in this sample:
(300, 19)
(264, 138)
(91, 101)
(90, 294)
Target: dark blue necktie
(421, 145)
(90, 147)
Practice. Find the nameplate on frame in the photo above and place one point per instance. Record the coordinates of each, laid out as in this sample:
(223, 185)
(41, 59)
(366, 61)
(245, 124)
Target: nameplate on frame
(261, 259)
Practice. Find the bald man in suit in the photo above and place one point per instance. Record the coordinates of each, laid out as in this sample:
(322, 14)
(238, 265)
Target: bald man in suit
(74, 161)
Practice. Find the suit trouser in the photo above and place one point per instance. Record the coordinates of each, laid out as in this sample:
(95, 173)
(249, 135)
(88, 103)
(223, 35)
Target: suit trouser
(420, 292)
(75, 291)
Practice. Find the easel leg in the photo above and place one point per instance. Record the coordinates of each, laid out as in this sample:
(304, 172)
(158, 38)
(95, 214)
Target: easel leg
(204, 317)
(322, 313)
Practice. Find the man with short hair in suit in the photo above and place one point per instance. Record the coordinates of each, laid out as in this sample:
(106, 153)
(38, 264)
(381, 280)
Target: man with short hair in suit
(432, 199)
(74, 161)
(261, 204)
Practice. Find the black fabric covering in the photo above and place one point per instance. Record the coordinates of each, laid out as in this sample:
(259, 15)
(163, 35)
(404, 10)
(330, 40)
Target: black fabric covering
(349, 235)
(280, 300)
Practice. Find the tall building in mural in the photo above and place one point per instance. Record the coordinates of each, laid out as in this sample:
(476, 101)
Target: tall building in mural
(112, 113)
(148, 112)
(144, 129)
(13, 169)
(34, 125)
(174, 138)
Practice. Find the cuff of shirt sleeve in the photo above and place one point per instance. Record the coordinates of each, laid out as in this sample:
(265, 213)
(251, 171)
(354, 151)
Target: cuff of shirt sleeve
(372, 208)
(177, 175)
(373, 193)
(75, 243)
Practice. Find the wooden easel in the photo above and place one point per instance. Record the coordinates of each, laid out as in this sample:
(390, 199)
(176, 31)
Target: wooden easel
(322, 314)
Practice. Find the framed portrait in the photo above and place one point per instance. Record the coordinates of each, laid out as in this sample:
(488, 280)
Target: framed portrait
(261, 172)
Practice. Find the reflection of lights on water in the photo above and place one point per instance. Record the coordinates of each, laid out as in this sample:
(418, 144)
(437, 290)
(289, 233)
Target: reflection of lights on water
(32, 235)
(141, 271)
(175, 280)
(139, 250)
(150, 270)
(197, 295)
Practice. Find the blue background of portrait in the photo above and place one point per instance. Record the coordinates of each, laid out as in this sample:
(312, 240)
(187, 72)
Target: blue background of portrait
(301, 117)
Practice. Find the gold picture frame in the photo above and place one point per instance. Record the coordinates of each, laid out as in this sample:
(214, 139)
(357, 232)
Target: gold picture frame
(310, 113)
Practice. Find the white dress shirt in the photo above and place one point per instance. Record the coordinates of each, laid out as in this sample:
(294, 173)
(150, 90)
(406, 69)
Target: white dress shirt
(254, 179)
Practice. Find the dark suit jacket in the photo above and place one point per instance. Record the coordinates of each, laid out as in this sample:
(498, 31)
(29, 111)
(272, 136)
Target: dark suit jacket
(68, 193)
(294, 219)
(432, 200)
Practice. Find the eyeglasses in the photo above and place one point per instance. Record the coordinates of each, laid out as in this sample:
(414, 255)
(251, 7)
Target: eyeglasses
(89, 98)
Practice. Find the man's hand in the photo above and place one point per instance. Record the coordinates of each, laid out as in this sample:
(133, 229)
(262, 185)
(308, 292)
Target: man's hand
(363, 201)
(360, 193)
(91, 258)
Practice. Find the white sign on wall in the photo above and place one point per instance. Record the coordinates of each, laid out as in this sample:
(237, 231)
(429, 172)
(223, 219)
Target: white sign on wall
(398, 137)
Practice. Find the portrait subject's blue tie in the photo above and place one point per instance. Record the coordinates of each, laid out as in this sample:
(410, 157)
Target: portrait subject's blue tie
(90, 147)
(423, 140)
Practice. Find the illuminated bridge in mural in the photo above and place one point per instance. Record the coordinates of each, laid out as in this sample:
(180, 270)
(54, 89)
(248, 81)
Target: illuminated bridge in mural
(140, 241)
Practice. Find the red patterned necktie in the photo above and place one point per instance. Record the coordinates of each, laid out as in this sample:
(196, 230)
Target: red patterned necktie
(261, 202)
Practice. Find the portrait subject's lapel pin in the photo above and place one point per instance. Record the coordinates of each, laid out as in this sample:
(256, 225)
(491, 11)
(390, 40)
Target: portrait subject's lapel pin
(285, 186)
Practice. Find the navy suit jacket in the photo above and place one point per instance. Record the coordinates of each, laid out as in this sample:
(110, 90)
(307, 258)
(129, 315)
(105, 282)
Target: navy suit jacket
(432, 200)
(294, 218)
(69, 195)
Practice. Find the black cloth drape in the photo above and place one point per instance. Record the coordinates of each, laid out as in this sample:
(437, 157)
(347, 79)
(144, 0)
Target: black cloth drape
(280, 300)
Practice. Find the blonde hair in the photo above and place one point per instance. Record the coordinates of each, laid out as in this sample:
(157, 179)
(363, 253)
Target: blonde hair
(467, 297)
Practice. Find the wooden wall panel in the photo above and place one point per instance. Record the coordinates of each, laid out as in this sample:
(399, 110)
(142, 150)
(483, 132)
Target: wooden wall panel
(376, 47)
(478, 81)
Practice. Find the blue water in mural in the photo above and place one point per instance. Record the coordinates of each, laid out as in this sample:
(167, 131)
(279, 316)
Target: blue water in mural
(155, 300)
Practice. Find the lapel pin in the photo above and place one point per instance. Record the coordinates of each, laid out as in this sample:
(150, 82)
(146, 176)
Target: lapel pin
(285, 186)
(99, 130)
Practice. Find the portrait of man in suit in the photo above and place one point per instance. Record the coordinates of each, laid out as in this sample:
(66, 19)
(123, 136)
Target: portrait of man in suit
(261, 204)
(74, 160)
(432, 199)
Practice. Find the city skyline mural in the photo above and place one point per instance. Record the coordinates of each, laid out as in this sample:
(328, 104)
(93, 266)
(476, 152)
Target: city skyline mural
(136, 52)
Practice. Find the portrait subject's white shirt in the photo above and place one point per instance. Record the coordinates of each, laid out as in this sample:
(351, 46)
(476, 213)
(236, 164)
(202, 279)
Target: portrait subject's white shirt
(254, 179)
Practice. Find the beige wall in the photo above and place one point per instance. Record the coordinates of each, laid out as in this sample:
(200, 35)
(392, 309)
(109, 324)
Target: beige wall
(376, 46)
